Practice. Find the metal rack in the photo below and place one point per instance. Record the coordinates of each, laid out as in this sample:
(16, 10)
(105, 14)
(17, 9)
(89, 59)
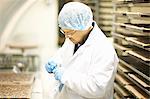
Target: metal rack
(131, 33)
(8, 61)
(105, 16)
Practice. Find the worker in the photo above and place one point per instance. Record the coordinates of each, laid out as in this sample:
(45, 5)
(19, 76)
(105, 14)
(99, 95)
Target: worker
(86, 64)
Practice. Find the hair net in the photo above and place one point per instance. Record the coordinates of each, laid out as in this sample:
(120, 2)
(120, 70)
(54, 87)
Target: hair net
(75, 16)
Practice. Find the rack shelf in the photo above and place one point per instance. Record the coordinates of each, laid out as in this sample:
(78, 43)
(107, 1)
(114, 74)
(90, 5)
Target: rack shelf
(131, 33)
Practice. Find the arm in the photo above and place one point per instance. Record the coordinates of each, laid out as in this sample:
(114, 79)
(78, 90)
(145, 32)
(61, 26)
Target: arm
(61, 55)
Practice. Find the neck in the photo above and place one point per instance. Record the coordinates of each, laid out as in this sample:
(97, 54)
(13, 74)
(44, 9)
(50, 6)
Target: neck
(86, 35)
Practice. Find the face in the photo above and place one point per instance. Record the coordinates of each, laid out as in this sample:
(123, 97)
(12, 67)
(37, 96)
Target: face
(76, 36)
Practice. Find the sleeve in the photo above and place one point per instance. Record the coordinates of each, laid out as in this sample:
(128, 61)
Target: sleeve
(59, 55)
(96, 83)
(64, 53)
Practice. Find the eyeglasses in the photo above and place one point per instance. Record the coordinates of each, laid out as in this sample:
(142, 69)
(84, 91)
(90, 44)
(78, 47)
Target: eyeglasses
(62, 31)
(68, 34)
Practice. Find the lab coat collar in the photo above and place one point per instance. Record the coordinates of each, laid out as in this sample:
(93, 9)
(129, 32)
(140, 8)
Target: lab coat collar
(89, 41)
(92, 35)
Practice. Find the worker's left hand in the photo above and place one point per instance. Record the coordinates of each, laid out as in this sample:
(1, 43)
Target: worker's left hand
(50, 66)
(57, 74)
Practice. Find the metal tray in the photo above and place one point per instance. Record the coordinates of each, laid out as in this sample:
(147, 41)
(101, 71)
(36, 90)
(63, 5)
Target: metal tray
(138, 80)
(124, 31)
(123, 81)
(140, 42)
(132, 27)
(121, 91)
(122, 47)
(134, 82)
(140, 55)
(136, 92)
(136, 66)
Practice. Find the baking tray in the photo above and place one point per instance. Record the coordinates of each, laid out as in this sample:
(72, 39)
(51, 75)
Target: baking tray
(121, 41)
(122, 1)
(143, 20)
(132, 4)
(123, 81)
(132, 27)
(136, 66)
(144, 87)
(136, 92)
(143, 28)
(118, 36)
(138, 14)
(124, 31)
(121, 91)
(140, 42)
(132, 14)
(117, 96)
(139, 80)
(123, 68)
(141, 1)
(146, 26)
(142, 56)
(122, 47)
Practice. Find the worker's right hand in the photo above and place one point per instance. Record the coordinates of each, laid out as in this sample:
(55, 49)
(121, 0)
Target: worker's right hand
(50, 66)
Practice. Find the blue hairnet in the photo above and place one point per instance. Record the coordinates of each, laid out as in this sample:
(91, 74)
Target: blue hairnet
(75, 16)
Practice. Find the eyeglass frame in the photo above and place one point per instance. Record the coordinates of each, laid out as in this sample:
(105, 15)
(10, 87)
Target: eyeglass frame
(70, 34)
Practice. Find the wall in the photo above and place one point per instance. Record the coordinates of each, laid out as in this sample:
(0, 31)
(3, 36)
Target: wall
(38, 25)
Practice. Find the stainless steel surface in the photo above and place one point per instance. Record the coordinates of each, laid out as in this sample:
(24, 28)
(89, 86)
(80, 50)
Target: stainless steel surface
(19, 61)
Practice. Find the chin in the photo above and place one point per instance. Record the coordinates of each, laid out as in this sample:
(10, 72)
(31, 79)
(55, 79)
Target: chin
(73, 41)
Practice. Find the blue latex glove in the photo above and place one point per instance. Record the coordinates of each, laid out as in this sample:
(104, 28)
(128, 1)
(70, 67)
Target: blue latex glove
(50, 66)
(57, 74)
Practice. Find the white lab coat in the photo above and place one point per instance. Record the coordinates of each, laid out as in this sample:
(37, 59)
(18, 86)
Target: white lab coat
(90, 72)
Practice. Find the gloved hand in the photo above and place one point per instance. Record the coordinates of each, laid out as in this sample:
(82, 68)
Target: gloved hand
(57, 74)
(50, 66)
